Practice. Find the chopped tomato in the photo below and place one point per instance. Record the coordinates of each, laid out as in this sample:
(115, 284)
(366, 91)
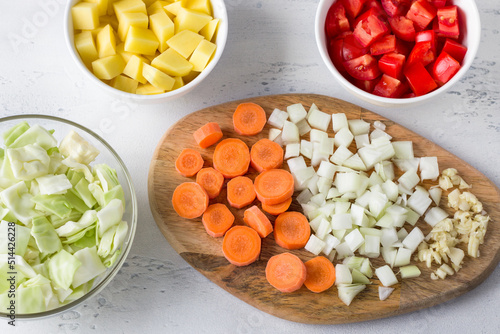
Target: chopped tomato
(455, 49)
(369, 30)
(384, 45)
(376, 7)
(336, 20)
(420, 80)
(444, 68)
(448, 21)
(335, 48)
(363, 68)
(403, 47)
(389, 87)
(366, 85)
(422, 52)
(372, 11)
(395, 7)
(353, 7)
(352, 48)
(392, 64)
(403, 28)
(438, 3)
(427, 36)
(421, 13)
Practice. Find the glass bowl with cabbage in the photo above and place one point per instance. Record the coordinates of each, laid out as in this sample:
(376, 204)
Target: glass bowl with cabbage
(68, 214)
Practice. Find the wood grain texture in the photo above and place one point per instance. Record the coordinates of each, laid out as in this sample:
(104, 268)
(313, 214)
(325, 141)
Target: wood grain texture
(204, 253)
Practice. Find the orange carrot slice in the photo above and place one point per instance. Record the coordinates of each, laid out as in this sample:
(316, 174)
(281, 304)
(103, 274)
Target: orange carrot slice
(266, 154)
(211, 180)
(241, 245)
(208, 134)
(274, 186)
(189, 162)
(189, 200)
(217, 219)
(277, 209)
(286, 272)
(320, 274)
(257, 220)
(231, 157)
(291, 230)
(240, 192)
(249, 119)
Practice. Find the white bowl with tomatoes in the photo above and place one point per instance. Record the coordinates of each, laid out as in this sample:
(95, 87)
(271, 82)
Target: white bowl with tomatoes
(397, 52)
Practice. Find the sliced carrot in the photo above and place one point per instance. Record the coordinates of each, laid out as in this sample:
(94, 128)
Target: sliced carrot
(240, 192)
(231, 157)
(217, 219)
(249, 119)
(277, 209)
(286, 272)
(241, 245)
(320, 274)
(189, 200)
(274, 186)
(257, 220)
(211, 180)
(291, 230)
(189, 162)
(266, 154)
(208, 134)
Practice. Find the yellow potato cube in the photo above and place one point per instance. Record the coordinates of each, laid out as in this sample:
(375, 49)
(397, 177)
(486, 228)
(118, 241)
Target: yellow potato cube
(184, 42)
(157, 78)
(106, 42)
(163, 28)
(178, 83)
(141, 41)
(85, 45)
(148, 89)
(129, 6)
(102, 5)
(125, 84)
(120, 49)
(150, 2)
(157, 7)
(149, 58)
(111, 9)
(172, 63)
(173, 8)
(139, 20)
(190, 77)
(203, 6)
(209, 30)
(109, 19)
(202, 55)
(134, 69)
(109, 67)
(85, 16)
(188, 19)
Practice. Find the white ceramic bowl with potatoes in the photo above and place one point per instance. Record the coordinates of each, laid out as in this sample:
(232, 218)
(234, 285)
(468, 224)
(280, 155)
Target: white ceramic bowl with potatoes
(219, 11)
(470, 28)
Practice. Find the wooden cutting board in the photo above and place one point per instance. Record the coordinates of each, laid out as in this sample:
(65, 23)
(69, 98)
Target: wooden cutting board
(204, 253)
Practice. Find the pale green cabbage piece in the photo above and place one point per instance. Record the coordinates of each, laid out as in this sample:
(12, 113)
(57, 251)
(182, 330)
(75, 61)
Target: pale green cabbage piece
(53, 204)
(91, 266)
(21, 236)
(71, 227)
(109, 216)
(106, 175)
(18, 200)
(13, 133)
(45, 235)
(78, 149)
(28, 162)
(62, 268)
(51, 184)
(35, 135)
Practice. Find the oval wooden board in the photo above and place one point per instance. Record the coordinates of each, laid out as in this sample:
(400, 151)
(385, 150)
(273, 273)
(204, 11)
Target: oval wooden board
(204, 253)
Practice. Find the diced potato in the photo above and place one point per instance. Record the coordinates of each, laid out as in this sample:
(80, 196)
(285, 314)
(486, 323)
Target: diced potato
(148, 89)
(172, 63)
(157, 7)
(179, 82)
(173, 8)
(202, 55)
(85, 16)
(129, 6)
(102, 5)
(185, 42)
(149, 58)
(203, 6)
(190, 77)
(109, 67)
(163, 27)
(208, 31)
(109, 19)
(188, 19)
(125, 84)
(134, 69)
(139, 20)
(106, 42)
(157, 78)
(141, 41)
(85, 44)
(111, 9)
(149, 2)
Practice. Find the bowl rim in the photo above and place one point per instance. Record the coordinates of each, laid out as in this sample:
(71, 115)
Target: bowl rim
(473, 45)
(220, 42)
(127, 244)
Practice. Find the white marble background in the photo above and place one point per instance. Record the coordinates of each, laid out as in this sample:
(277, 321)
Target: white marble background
(270, 50)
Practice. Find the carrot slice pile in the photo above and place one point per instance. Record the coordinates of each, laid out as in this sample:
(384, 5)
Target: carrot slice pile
(231, 157)
(286, 272)
(189, 162)
(208, 134)
(320, 274)
(189, 200)
(291, 230)
(266, 154)
(274, 186)
(240, 192)
(217, 219)
(211, 180)
(277, 209)
(257, 220)
(241, 245)
(249, 119)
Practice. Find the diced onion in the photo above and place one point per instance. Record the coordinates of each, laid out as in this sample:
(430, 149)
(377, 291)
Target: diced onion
(277, 118)
(386, 276)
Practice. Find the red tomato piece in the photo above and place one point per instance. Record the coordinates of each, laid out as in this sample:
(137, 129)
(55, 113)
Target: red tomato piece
(369, 30)
(422, 52)
(403, 47)
(421, 13)
(448, 21)
(444, 68)
(455, 49)
(352, 48)
(366, 85)
(392, 64)
(363, 68)
(353, 7)
(420, 80)
(372, 11)
(408, 95)
(335, 47)
(376, 6)
(336, 20)
(427, 36)
(389, 87)
(438, 3)
(403, 28)
(395, 7)
(384, 45)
